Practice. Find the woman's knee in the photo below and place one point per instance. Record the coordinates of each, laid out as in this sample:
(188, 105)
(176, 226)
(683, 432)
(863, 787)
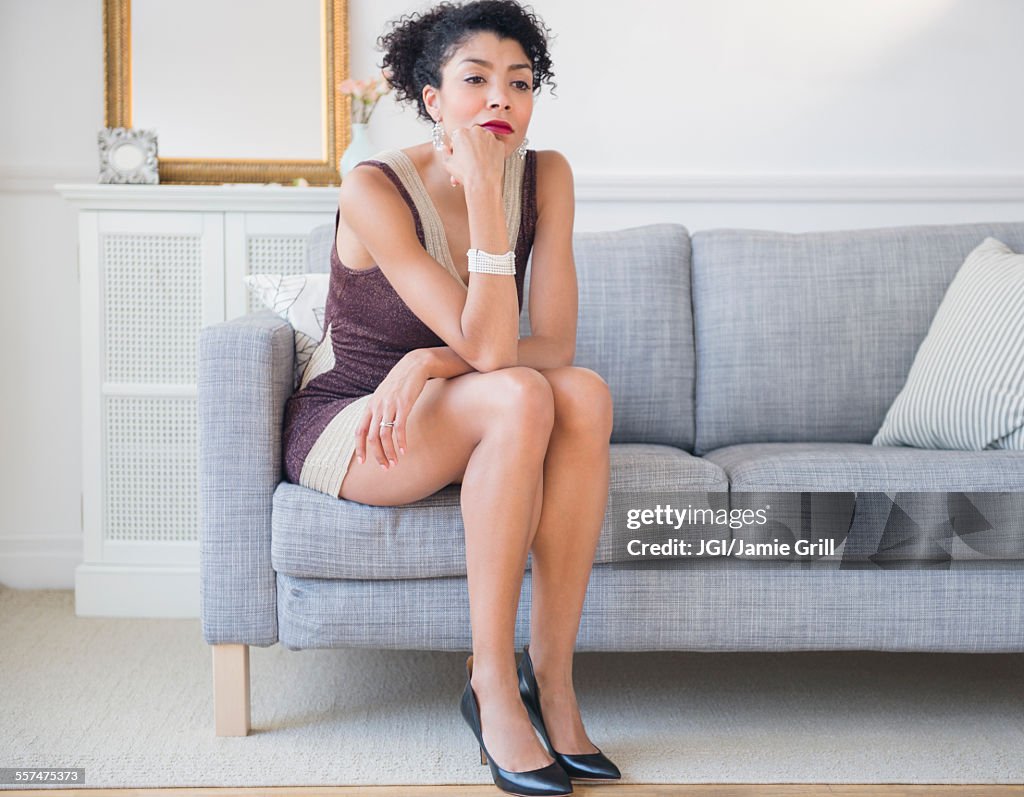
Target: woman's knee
(582, 399)
(519, 399)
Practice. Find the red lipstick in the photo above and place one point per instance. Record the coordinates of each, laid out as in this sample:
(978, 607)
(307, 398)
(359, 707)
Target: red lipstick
(498, 126)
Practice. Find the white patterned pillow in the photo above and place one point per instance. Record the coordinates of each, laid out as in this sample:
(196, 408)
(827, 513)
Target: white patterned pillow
(965, 389)
(300, 299)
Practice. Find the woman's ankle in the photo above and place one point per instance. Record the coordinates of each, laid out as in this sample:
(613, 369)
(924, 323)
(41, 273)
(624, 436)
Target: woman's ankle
(554, 675)
(494, 680)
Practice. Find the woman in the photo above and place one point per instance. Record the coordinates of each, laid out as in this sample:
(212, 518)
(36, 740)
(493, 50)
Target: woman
(422, 381)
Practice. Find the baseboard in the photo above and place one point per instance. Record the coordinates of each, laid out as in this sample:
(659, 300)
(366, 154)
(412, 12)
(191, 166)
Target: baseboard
(136, 591)
(39, 561)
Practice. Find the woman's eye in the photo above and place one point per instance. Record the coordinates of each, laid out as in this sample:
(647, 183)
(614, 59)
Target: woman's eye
(522, 83)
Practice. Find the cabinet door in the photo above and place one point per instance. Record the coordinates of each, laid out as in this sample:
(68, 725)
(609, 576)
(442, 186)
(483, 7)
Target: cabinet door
(264, 243)
(152, 280)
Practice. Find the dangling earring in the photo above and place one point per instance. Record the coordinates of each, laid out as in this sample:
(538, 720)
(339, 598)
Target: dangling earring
(521, 149)
(438, 135)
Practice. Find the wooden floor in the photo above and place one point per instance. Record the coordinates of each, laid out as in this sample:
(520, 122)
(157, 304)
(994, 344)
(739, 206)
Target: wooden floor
(609, 790)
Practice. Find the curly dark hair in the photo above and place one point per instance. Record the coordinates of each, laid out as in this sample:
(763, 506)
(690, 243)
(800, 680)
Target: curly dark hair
(419, 45)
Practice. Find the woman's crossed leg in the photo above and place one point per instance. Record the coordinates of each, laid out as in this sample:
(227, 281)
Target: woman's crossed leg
(490, 431)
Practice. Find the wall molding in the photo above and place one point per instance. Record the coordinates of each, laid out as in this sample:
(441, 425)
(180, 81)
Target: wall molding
(40, 561)
(626, 187)
(25, 181)
(800, 188)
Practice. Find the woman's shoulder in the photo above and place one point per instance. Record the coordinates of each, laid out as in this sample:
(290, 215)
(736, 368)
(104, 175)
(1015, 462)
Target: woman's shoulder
(554, 178)
(382, 172)
(551, 159)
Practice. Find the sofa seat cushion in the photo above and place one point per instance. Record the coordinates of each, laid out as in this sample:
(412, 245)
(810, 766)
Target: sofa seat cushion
(842, 467)
(317, 536)
(879, 506)
(727, 607)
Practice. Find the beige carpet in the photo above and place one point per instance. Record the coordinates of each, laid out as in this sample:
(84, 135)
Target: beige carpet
(130, 701)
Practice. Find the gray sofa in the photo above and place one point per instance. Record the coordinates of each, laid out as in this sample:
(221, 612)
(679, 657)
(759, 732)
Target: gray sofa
(748, 368)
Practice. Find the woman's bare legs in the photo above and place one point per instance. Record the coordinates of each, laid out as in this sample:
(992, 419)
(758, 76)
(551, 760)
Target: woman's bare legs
(574, 498)
(491, 431)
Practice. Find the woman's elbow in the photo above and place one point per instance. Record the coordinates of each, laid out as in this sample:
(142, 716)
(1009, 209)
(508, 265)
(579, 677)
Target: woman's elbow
(569, 354)
(495, 359)
(492, 363)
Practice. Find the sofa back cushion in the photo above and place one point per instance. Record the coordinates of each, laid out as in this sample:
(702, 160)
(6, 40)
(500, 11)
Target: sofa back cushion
(809, 336)
(635, 328)
(318, 249)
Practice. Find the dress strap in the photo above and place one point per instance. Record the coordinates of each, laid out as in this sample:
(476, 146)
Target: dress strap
(434, 238)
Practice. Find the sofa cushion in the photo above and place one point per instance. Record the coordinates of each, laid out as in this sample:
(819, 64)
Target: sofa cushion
(810, 336)
(635, 328)
(317, 536)
(318, 249)
(965, 389)
(842, 467)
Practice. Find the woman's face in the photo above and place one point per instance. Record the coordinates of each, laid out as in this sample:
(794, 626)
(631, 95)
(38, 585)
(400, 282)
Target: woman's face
(474, 93)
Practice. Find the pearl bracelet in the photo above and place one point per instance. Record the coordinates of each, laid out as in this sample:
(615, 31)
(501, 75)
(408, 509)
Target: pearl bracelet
(486, 263)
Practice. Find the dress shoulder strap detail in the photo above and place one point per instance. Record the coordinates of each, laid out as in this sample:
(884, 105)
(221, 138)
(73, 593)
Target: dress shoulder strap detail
(435, 240)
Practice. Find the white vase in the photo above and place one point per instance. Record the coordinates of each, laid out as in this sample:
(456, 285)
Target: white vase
(358, 150)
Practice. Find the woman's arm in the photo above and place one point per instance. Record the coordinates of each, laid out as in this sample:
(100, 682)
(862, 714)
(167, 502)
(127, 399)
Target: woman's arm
(553, 287)
(442, 362)
(491, 313)
(480, 324)
(554, 294)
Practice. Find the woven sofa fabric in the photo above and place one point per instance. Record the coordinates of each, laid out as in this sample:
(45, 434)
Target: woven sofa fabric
(810, 336)
(739, 606)
(244, 378)
(840, 467)
(635, 328)
(318, 249)
(317, 536)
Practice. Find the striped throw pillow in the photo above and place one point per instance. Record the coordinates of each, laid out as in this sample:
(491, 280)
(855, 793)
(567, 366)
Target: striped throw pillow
(965, 389)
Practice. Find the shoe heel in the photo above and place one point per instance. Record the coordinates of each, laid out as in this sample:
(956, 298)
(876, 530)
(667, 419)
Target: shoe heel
(549, 781)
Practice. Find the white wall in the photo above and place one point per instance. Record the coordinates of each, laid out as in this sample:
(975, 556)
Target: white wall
(794, 114)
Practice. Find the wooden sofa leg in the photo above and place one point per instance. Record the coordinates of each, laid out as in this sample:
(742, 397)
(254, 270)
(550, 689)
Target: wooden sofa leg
(231, 690)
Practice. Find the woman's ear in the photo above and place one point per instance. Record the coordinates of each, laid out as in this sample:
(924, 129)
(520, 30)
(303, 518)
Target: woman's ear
(430, 100)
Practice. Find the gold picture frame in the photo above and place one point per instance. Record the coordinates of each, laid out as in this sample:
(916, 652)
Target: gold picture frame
(117, 68)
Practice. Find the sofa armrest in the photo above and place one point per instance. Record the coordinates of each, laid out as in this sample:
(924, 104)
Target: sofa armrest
(244, 379)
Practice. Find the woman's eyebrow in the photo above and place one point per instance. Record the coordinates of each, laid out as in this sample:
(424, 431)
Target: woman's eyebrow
(489, 65)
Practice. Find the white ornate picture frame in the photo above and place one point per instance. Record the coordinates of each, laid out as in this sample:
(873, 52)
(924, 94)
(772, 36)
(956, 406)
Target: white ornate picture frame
(128, 155)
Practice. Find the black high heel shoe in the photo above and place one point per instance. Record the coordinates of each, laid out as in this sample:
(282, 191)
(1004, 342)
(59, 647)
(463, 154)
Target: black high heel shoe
(579, 766)
(548, 781)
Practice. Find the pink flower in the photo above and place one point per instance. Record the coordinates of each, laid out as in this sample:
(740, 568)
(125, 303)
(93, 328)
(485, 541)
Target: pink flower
(365, 94)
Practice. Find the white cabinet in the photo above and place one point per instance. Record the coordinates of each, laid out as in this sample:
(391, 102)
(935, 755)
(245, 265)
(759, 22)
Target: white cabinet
(156, 264)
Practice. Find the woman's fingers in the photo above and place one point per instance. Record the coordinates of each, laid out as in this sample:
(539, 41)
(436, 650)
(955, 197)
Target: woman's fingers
(400, 435)
(368, 439)
(360, 435)
(383, 442)
(386, 436)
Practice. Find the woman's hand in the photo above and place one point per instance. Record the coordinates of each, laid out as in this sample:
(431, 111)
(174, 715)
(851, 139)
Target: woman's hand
(392, 401)
(474, 154)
